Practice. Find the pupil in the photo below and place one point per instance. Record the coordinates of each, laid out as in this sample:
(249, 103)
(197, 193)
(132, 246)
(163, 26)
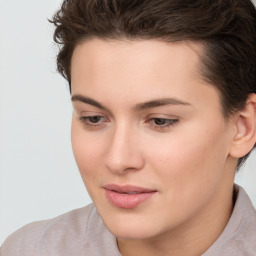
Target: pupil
(94, 119)
(160, 121)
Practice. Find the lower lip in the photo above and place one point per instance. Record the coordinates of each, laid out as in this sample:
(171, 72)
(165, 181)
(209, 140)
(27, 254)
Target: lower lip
(127, 201)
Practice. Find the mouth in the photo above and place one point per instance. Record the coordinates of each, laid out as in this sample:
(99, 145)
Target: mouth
(128, 196)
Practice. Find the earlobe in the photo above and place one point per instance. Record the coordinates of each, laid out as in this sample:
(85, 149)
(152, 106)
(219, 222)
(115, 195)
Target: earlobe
(245, 137)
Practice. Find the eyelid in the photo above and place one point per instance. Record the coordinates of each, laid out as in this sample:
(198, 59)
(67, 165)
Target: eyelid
(80, 108)
(171, 121)
(88, 118)
(85, 116)
(161, 115)
(88, 115)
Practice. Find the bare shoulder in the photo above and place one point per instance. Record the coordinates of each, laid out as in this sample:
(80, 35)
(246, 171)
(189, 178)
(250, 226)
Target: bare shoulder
(48, 233)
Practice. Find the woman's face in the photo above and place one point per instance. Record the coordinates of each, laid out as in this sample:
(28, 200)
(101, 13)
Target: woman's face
(148, 135)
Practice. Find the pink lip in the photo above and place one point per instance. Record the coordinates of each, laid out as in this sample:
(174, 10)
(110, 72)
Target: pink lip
(127, 196)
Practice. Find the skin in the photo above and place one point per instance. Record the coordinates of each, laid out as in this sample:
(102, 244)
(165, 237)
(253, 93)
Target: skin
(188, 162)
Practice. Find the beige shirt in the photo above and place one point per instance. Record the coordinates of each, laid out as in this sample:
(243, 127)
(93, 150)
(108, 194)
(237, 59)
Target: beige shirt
(82, 233)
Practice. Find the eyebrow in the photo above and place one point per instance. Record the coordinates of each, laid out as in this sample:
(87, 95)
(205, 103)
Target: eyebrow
(88, 100)
(160, 102)
(139, 107)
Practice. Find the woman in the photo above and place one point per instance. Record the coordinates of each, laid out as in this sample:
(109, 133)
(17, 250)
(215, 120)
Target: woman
(164, 114)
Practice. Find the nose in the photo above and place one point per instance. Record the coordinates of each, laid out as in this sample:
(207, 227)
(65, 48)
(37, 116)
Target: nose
(124, 153)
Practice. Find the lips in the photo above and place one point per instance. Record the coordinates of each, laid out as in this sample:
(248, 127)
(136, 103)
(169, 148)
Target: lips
(127, 196)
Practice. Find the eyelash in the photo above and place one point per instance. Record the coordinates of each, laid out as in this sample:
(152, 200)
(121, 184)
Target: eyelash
(170, 122)
(152, 121)
(85, 119)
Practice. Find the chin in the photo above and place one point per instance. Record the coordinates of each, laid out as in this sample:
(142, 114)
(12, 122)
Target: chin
(131, 228)
(137, 233)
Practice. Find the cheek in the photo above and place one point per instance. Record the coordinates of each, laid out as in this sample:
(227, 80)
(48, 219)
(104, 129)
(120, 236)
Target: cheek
(188, 171)
(190, 158)
(86, 150)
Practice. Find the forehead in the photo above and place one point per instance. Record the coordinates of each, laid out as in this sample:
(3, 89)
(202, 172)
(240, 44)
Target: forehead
(138, 70)
(125, 50)
(120, 57)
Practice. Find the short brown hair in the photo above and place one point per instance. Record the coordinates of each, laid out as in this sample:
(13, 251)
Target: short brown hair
(226, 29)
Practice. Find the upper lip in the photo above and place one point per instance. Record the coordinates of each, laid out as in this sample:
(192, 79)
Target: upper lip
(127, 188)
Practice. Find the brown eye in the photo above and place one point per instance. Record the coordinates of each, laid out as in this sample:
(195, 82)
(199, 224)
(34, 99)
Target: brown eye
(164, 121)
(94, 119)
(160, 121)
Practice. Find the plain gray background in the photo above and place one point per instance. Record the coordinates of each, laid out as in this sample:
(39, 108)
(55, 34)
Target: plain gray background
(38, 175)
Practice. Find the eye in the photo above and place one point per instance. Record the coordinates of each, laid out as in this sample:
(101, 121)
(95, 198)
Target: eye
(161, 123)
(93, 121)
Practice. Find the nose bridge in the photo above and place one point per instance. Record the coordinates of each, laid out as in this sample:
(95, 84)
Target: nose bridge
(123, 153)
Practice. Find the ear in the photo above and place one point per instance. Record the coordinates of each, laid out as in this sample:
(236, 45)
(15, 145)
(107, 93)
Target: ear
(245, 136)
